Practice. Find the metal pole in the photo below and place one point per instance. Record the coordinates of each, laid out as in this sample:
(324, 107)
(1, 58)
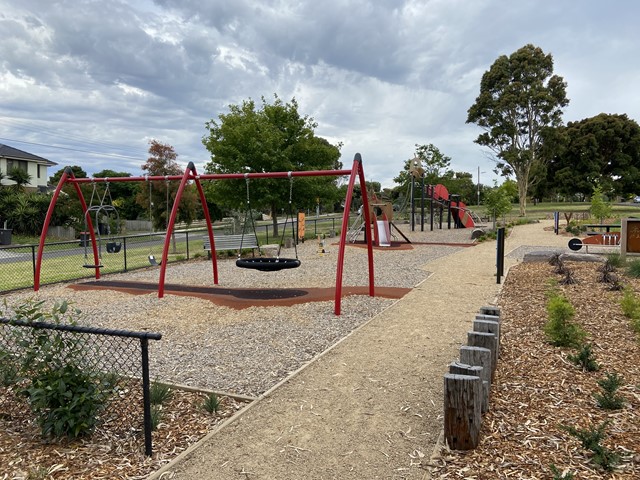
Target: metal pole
(431, 206)
(500, 254)
(146, 397)
(422, 207)
(413, 224)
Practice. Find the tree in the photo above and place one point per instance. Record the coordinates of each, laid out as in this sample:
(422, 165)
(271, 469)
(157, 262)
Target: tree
(519, 106)
(20, 178)
(270, 138)
(603, 150)
(123, 194)
(433, 161)
(78, 172)
(159, 198)
(498, 201)
(600, 208)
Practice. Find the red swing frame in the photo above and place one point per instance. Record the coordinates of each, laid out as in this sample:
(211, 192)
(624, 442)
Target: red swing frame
(190, 174)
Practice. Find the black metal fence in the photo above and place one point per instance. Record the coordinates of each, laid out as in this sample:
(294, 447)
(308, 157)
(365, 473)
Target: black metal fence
(116, 360)
(73, 260)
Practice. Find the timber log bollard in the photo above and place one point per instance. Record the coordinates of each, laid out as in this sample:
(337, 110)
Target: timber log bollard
(468, 383)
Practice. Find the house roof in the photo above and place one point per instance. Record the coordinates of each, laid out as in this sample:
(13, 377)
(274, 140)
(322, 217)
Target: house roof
(13, 153)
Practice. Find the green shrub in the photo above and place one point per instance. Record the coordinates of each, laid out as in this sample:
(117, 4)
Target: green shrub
(212, 403)
(159, 393)
(559, 329)
(609, 399)
(584, 359)
(9, 368)
(615, 260)
(65, 396)
(630, 304)
(633, 268)
(156, 417)
(590, 439)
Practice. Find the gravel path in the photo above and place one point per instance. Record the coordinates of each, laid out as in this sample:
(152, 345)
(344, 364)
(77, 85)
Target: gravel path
(249, 351)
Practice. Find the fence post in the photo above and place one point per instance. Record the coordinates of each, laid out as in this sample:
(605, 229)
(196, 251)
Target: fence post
(146, 397)
(124, 246)
(485, 340)
(500, 254)
(187, 240)
(33, 262)
(462, 411)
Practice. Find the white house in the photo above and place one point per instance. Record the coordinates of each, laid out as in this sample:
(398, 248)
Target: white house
(35, 166)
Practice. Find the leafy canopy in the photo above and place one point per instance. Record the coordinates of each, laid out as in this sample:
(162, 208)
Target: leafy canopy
(519, 106)
(272, 137)
(602, 150)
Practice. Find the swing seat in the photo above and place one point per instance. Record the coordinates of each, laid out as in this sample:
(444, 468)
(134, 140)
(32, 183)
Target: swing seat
(113, 247)
(153, 261)
(268, 264)
(86, 265)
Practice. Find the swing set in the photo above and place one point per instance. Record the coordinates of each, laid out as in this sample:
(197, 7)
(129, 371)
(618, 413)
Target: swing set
(191, 175)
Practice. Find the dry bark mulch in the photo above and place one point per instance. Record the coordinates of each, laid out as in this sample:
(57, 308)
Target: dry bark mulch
(539, 390)
(115, 450)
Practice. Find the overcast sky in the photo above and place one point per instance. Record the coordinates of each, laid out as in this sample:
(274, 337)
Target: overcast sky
(379, 76)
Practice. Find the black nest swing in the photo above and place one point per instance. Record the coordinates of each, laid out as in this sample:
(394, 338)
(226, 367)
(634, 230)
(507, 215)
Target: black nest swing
(268, 264)
(264, 264)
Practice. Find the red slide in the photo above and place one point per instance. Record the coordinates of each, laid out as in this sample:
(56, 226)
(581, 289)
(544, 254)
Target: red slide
(458, 209)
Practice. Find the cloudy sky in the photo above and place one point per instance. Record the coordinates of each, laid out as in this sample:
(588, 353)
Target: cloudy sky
(89, 83)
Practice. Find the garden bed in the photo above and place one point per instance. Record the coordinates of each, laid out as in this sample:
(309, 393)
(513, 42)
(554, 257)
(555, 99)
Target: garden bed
(539, 391)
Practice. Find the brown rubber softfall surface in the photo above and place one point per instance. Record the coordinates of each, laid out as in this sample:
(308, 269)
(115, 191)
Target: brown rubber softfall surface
(240, 298)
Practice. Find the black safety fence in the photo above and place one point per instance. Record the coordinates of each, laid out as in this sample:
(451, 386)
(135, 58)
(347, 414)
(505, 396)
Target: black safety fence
(74, 260)
(77, 377)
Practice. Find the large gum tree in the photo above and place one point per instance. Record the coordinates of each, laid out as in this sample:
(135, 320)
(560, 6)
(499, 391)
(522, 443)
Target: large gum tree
(519, 107)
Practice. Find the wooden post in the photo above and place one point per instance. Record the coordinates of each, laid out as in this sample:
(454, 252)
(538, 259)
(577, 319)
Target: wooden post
(485, 340)
(486, 326)
(458, 368)
(478, 356)
(490, 310)
(462, 411)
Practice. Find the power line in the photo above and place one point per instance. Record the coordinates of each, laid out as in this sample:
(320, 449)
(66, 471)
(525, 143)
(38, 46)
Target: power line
(116, 155)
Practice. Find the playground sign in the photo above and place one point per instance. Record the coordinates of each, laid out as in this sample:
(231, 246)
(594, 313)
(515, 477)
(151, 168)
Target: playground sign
(630, 241)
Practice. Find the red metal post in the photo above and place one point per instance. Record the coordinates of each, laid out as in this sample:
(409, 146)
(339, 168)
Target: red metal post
(356, 171)
(207, 217)
(367, 222)
(174, 213)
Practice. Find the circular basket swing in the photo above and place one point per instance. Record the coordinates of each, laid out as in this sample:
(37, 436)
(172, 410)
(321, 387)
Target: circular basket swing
(265, 264)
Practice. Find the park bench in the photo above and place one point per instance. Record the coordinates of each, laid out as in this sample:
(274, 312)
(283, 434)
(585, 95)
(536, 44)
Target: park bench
(596, 228)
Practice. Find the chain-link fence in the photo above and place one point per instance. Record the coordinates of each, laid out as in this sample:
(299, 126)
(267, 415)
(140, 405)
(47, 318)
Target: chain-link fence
(73, 260)
(77, 376)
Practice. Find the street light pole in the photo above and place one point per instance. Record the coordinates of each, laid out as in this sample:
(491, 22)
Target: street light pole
(478, 185)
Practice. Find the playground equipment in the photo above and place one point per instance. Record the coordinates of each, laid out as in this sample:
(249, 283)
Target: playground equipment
(440, 200)
(191, 175)
(268, 264)
(103, 216)
(611, 239)
(381, 214)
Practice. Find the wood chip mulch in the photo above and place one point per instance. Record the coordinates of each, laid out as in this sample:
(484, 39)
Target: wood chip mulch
(538, 390)
(114, 451)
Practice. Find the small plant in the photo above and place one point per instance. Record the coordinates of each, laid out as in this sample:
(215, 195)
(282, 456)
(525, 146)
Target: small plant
(615, 260)
(156, 417)
(616, 286)
(555, 259)
(607, 276)
(159, 393)
(212, 403)
(590, 439)
(569, 278)
(9, 368)
(633, 268)
(561, 268)
(609, 400)
(65, 395)
(585, 359)
(558, 475)
(630, 304)
(559, 329)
